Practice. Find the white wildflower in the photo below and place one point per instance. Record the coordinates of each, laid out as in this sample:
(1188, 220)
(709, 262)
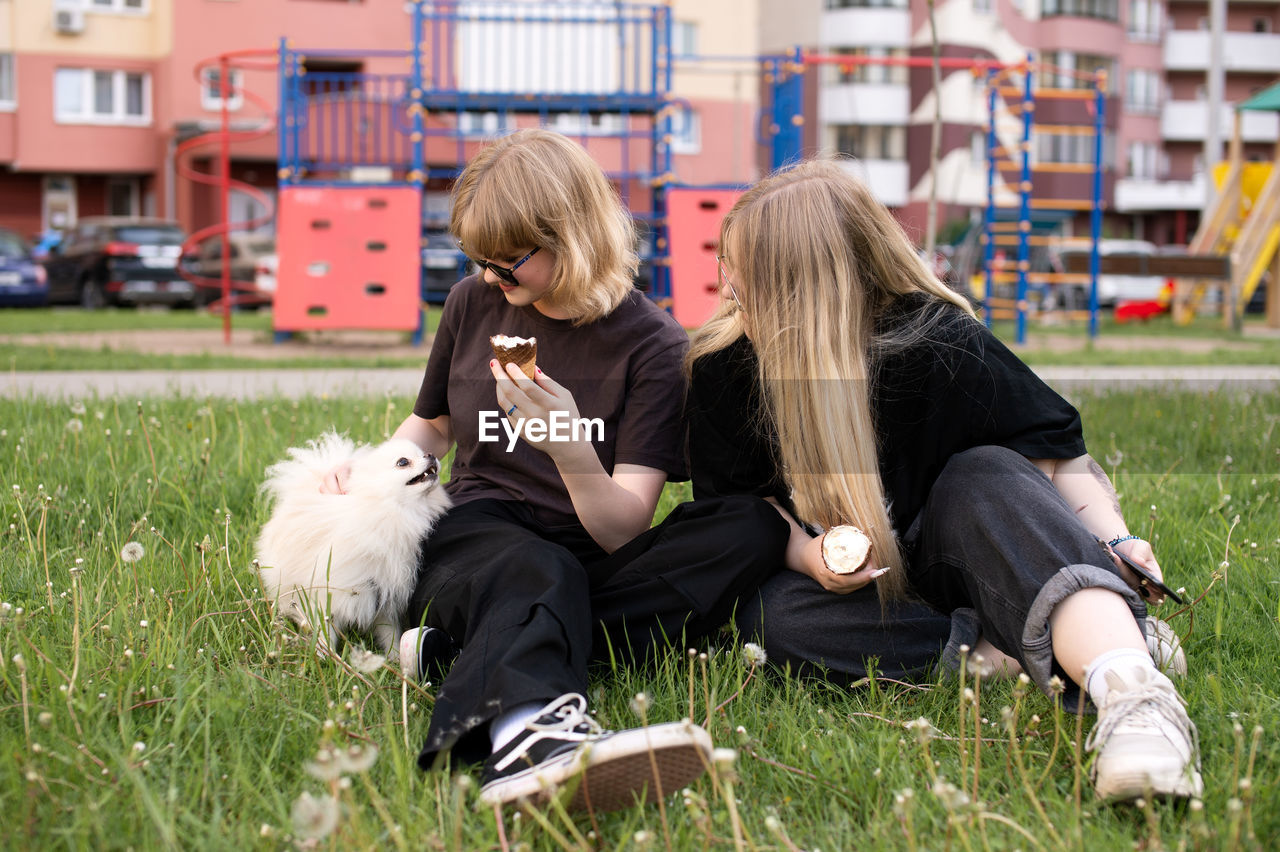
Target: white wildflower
(78, 409)
(754, 654)
(358, 758)
(951, 796)
(325, 767)
(366, 661)
(724, 758)
(315, 817)
(74, 425)
(132, 551)
(640, 704)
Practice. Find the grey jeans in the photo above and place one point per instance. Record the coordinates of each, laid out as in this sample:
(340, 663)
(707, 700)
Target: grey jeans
(994, 550)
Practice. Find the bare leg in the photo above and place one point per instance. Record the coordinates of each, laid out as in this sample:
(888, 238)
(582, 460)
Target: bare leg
(995, 663)
(1088, 624)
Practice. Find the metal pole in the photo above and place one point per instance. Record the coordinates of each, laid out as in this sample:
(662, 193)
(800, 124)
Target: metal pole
(1214, 86)
(1024, 201)
(224, 186)
(1095, 216)
(988, 222)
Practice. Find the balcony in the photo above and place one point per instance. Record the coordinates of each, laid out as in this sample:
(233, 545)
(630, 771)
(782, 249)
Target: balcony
(886, 178)
(864, 103)
(1188, 50)
(1135, 195)
(1188, 121)
(865, 28)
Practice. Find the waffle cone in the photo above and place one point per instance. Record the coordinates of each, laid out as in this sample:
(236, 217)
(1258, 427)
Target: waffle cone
(521, 352)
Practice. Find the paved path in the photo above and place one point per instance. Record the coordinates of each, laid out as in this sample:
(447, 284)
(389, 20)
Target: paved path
(252, 384)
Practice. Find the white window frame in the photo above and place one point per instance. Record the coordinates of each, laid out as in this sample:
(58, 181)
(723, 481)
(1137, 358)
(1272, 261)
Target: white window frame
(1142, 91)
(213, 103)
(684, 39)
(119, 98)
(110, 7)
(9, 75)
(686, 130)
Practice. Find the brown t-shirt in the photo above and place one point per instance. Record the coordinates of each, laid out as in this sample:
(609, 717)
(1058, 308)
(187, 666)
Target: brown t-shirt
(624, 369)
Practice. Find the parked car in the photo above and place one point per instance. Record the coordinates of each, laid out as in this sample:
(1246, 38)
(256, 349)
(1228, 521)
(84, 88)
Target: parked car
(253, 270)
(22, 280)
(121, 260)
(443, 265)
(1111, 288)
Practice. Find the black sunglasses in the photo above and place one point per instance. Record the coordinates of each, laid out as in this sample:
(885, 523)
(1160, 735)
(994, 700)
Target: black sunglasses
(507, 274)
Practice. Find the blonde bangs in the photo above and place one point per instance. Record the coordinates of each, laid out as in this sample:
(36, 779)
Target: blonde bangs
(538, 188)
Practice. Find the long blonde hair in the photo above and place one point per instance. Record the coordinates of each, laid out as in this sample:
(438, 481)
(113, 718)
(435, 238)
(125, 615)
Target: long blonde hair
(539, 188)
(815, 258)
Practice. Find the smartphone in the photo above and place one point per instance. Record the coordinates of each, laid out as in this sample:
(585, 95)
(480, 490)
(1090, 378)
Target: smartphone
(1147, 581)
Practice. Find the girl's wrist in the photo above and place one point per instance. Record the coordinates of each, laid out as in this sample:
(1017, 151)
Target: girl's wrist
(1123, 538)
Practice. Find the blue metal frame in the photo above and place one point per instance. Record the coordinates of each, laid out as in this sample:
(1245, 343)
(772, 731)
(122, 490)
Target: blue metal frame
(320, 112)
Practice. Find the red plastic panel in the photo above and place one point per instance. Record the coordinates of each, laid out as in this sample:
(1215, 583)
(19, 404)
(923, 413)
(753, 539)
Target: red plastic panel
(350, 258)
(693, 217)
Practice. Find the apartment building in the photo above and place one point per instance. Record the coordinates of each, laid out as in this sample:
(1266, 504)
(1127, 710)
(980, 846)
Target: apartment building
(96, 96)
(1155, 53)
(1164, 186)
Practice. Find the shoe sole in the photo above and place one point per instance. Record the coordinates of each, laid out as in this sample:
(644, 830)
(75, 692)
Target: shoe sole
(615, 773)
(1134, 785)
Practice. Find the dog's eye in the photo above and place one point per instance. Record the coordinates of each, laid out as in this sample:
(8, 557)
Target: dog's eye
(402, 462)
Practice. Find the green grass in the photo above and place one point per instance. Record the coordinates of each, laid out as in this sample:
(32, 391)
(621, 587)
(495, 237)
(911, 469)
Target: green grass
(1247, 350)
(156, 706)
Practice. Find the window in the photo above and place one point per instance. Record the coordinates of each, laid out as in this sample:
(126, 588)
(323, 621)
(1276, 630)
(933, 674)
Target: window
(870, 73)
(867, 4)
(686, 131)
(978, 148)
(486, 123)
(983, 7)
(684, 39)
(133, 6)
(1146, 20)
(1144, 161)
(1106, 10)
(1142, 91)
(82, 95)
(122, 198)
(588, 124)
(211, 89)
(1074, 148)
(1064, 69)
(1262, 25)
(872, 141)
(8, 91)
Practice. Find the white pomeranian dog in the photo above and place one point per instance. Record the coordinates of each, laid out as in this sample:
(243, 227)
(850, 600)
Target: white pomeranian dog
(348, 561)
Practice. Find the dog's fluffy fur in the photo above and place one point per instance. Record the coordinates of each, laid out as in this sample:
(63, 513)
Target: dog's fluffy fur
(348, 560)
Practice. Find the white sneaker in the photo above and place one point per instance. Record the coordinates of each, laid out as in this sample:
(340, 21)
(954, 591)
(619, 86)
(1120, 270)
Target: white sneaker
(565, 749)
(1144, 743)
(424, 651)
(1165, 648)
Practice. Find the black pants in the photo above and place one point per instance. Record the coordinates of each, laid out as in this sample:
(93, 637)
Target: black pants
(995, 549)
(531, 605)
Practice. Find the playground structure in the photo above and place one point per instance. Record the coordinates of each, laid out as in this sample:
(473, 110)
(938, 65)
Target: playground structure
(355, 146)
(1243, 224)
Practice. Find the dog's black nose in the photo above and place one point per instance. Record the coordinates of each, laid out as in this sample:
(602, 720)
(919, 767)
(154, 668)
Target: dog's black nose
(433, 466)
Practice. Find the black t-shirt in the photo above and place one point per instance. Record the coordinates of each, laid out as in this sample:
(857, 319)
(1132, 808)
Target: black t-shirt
(625, 369)
(956, 389)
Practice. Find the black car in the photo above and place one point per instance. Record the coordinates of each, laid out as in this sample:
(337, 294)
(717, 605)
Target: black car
(22, 280)
(443, 265)
(119, 260)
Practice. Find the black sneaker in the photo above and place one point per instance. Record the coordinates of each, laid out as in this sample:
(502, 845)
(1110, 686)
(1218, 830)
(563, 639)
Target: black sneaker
(565, 752)
(425, 650)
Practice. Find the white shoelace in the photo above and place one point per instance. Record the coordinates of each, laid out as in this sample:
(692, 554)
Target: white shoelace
(1151, 704)
(570, 711)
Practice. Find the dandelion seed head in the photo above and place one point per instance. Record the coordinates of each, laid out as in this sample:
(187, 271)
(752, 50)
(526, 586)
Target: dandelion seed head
(951, 796)
(325, 766)
(724, 758)
(366, 661)
(772, 823)
(640, 704)
(139, 747)
(754, 654)
(74, 425)
(132, 551)
(143, 623)
(44, 720)
(20, 662)
(1196, 805)
(314, 816)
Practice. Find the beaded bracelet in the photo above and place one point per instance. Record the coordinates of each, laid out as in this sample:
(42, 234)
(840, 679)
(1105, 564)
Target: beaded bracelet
(1121, 538)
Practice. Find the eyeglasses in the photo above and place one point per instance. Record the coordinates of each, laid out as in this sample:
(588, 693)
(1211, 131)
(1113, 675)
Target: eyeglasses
(725, 282)
(507, 274)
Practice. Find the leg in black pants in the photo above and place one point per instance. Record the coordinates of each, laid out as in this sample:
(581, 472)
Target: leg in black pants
(516, 602)
(998, 537)
(518, 599)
